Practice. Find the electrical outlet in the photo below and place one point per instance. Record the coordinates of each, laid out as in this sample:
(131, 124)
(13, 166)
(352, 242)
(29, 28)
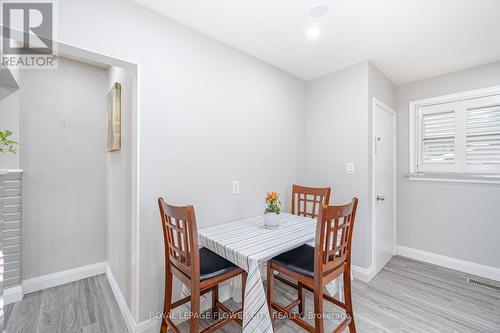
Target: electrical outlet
(236, 187)
(350, 168)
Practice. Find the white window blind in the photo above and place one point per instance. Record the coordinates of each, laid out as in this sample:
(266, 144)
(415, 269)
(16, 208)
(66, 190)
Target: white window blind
(456, 133)
(438, 139)
(483, 136)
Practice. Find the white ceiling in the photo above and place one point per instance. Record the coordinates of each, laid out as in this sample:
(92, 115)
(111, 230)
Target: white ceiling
(406, 39)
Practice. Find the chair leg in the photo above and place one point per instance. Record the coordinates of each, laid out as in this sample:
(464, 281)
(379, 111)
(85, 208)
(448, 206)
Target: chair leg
(270, 287)
(318, 309)
(215, 299)
(167, 302)
(195, 310)
(300, 291)
(348, 299)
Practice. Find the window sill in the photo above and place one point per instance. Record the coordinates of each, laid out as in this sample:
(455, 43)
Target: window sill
(6, 171)
(454, 178)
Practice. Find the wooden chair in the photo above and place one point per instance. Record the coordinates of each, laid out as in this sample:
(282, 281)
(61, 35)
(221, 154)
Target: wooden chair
(314, 267)
(307, 201)
(199, 269)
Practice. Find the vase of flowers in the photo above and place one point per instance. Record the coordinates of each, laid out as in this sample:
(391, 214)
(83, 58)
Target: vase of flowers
(272, 212)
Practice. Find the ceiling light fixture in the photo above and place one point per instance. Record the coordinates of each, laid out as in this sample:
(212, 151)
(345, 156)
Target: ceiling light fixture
(313, 32)
(319, 9)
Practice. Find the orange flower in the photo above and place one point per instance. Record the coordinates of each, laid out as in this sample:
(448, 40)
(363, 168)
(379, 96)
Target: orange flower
(272, 196)
(273, 202)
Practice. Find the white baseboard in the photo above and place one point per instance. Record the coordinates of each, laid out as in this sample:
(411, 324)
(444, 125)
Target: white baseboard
(362, 274)
(59, 278)
(148, 326)
(483, 271)
(12, 295)
(122, 304)
(153, 325)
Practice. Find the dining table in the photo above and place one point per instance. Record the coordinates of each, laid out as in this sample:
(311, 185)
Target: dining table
(249, 244)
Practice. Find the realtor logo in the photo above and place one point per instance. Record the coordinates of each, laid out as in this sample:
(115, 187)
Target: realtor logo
(28, 34)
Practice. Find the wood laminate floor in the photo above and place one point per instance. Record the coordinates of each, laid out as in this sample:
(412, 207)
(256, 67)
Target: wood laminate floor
(406, 296)
(85, 306)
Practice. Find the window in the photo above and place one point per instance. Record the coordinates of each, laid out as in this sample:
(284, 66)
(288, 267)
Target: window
(482, 136)
(456, 134)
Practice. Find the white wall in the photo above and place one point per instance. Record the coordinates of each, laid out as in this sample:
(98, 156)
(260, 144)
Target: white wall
(119, 188)
(63, 129)
(456, 220)
(337, 133)
(379, 87)
(208, 115)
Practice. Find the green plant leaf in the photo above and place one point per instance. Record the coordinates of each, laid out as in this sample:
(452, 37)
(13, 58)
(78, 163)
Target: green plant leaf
(6, 144)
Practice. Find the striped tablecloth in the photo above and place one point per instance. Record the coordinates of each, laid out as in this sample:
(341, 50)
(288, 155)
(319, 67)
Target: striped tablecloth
(248, 244)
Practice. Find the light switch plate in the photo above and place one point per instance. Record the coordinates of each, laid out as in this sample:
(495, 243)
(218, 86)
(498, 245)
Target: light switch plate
(236, 187)
(350, 168)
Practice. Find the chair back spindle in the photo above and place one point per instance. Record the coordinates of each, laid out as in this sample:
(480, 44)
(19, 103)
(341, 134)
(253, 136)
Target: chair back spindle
(334, 236)
(307, 201)
(181, 238)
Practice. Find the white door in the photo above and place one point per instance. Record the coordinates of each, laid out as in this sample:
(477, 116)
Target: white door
(384, 184)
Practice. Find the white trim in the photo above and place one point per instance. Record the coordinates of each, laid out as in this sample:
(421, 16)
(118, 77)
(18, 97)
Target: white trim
(363, 274)
(412, 135)
(454, 178)
(5, 171)
(148, 326)
(95, 58)
(122, 304)
(12, 295)
(135, 206)
(483, 271)
(59, 278)
(386, 108)
(468, 94)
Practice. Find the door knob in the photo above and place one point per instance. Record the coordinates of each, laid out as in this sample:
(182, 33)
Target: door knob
(380, 198)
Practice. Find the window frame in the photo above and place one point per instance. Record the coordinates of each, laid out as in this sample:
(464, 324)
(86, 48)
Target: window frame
(461, 101)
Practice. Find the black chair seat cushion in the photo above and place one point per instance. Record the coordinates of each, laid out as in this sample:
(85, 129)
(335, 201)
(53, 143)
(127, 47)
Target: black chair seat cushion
(212, 265)
(299, 260)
